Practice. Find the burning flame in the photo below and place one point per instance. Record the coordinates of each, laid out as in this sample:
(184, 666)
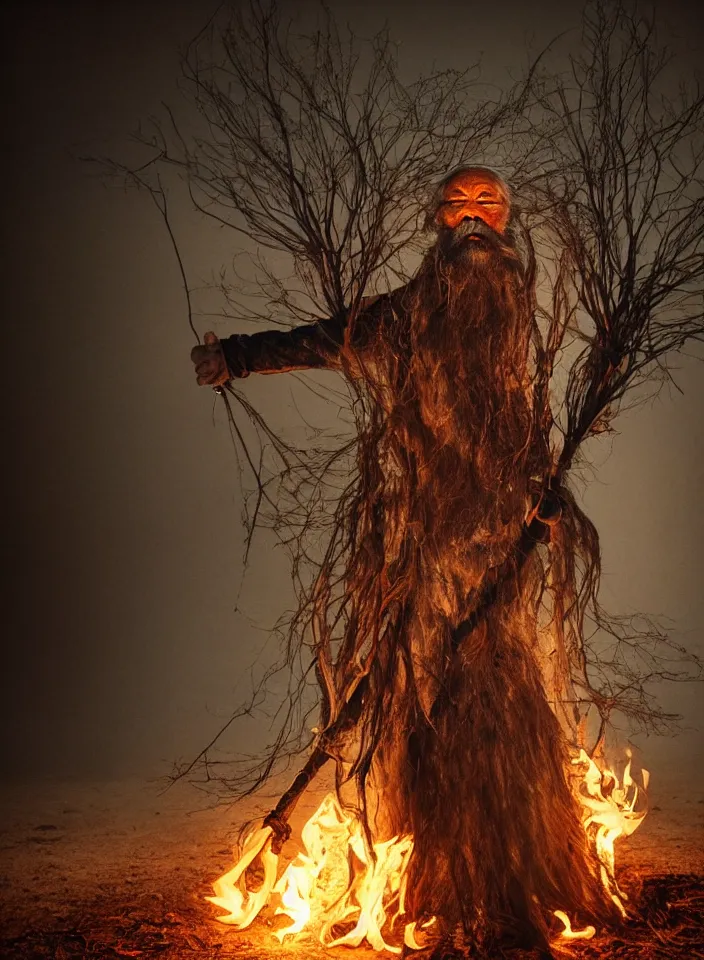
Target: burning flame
(243, 905)
(568, 933)
(611, 813)
(335, 883)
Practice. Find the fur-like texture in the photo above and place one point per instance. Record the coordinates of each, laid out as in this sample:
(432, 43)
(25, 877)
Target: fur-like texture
(454, 740)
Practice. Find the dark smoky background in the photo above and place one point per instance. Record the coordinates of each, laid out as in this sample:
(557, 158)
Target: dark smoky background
(122, 536)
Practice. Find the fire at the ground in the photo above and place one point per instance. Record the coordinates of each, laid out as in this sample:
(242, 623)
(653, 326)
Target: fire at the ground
(336, 885)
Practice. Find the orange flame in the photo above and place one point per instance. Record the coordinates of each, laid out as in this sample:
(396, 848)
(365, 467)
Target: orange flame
(242, 905)
(611, 813)
(568, 933)
(336, 883)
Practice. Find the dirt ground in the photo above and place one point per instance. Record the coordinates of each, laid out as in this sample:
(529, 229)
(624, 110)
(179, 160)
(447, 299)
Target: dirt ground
(122, 869)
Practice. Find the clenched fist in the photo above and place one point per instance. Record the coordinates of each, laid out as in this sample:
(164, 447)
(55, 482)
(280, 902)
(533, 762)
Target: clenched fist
(211, 368)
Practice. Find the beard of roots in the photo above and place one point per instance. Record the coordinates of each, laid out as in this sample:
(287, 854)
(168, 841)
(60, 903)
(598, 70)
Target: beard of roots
(452, 429)
(469, 385)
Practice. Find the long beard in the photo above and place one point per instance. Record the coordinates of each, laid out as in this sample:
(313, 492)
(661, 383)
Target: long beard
(470, 337)
(464, 403)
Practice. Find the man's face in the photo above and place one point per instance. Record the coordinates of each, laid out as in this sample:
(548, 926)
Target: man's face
(474, 195)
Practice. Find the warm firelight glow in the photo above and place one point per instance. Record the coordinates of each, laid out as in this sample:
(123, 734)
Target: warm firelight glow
(568, 933)
(242, 904)
(337, 892)
(611, 808)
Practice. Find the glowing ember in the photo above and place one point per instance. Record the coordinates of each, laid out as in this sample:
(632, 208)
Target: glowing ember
(568, 933)
(336, 890)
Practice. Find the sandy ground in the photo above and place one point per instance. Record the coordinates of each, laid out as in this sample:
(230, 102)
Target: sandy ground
(71, 852)
(65, 844)
(62, 843)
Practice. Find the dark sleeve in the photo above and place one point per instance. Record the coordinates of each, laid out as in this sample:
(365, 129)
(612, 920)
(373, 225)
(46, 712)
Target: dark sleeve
(278, 351)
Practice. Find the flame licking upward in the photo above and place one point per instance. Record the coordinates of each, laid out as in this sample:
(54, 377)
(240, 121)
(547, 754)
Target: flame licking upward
(611, 808)
(337, 891)
(334, 883)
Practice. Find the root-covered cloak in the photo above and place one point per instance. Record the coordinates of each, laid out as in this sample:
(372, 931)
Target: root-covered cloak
(429, 613)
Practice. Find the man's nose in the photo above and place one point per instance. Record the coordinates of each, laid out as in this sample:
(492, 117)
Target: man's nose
(472, 218)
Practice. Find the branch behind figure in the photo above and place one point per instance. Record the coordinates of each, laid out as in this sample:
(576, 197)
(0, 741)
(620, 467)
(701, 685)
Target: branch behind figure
(459, 570)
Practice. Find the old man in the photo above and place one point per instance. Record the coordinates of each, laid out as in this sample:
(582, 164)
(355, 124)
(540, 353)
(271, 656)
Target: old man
(433, 701)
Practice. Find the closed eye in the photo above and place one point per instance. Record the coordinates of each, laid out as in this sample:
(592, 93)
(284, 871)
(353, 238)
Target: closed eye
(463, 200)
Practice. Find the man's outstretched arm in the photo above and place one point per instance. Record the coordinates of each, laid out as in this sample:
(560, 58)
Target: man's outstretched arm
(312, 345)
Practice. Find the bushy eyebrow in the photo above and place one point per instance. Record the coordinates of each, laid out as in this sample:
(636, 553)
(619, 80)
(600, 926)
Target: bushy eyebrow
(490, 192)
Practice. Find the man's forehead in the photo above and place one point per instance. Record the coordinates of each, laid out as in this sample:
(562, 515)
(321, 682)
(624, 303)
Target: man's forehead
(476, 179)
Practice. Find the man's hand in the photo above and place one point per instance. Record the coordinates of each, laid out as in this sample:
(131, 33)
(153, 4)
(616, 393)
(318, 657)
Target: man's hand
(209, 360)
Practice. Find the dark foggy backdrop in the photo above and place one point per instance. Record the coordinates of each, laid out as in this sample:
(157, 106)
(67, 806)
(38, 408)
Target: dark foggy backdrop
(122, 535)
